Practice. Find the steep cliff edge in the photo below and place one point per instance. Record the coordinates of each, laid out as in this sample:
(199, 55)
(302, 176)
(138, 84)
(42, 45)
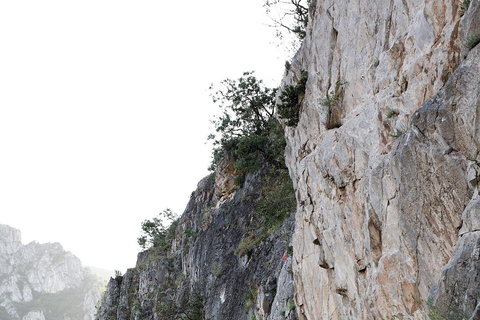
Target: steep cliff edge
(385, 164)
(384, 160)
(43, 281)
(221, 263)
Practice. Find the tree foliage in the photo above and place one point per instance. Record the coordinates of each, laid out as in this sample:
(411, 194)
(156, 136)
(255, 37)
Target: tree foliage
(191, 308)
(278, 198)
(158, 231)
(292, 98)
(247, 128)
(247, 107)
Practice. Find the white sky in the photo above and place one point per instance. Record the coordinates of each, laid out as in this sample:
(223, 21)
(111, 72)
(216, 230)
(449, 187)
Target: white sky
(105, 109)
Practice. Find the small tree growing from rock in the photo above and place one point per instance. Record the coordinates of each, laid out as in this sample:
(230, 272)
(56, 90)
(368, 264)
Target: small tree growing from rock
(155, 232)
(247, 128)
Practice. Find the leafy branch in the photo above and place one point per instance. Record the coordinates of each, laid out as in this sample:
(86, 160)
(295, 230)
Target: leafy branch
(292, 99)
(246, 128)
(159, 231)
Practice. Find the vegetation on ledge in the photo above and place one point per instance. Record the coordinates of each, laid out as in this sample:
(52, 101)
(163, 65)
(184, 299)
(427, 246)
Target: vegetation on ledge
(247, 128)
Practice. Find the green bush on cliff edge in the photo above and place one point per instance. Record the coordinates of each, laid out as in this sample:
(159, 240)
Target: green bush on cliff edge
(247, 128)
(159, 231)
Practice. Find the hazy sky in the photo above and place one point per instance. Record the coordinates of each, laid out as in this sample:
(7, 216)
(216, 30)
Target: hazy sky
(105, 109)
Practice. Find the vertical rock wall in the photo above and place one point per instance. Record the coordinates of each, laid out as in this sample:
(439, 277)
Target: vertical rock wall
(381, 186)
(202, 275)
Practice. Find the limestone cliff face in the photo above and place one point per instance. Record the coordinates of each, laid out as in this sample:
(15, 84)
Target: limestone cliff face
(43, 281)
(385, 163)
(203, 274)
(386, 172)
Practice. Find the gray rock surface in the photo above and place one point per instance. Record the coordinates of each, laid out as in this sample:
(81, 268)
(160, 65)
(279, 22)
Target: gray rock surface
(10, 240)
(43, 281)
(200, 271)
(381, 193)
(386, 177)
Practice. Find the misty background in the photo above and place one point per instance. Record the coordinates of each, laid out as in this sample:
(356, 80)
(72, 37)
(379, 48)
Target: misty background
(105, 112)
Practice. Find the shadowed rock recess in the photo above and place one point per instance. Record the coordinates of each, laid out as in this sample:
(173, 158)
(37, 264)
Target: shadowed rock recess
(385, 163)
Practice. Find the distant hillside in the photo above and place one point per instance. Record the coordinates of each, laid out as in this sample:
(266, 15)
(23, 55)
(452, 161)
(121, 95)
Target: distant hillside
(43, 281)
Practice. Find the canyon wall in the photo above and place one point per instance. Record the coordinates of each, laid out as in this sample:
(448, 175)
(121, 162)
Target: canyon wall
(385, 165)
(218, 262)
(384, 160)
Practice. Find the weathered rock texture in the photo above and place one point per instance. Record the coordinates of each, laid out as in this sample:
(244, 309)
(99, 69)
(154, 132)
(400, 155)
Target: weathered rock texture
(200, 275)
(43, 281)
(385, 163)
(383, 174)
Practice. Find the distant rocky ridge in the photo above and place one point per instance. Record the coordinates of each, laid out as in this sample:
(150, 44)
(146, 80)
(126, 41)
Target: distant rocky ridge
(43, 281)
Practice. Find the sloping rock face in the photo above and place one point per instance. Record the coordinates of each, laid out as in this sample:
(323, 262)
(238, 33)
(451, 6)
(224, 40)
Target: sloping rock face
(43, 281)
(385, 168)
(203, 275)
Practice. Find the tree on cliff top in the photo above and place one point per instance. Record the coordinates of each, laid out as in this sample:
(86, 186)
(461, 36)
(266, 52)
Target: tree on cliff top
(247, 128)
(158, 231)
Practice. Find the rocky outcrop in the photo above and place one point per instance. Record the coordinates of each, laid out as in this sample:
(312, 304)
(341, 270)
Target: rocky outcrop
(385, 164)
(10, 240)
(216, 266)
(43, 281)
(381, 189)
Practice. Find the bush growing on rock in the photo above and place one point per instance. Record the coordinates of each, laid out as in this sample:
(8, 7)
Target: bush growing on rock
(158, 232)
(292, 98)
(472, 41)
(247, 128)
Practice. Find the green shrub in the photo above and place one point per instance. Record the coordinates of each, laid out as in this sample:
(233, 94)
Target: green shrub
(289, 250)
(159, 231)
(276, 203)
(472, 41)
(192, 307)
(248, 131)
(118, 276)
(291, 100)
(445, 312)
(464, 6)
(333, 103)
(217, 271)
(278, 198)
(474, 158)
(330, 98)
(290, 304)
(396, 135)
(392, 112)
(250, 297)
(246, 245)
(247, 128)
(190, 233)
(195, 309)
